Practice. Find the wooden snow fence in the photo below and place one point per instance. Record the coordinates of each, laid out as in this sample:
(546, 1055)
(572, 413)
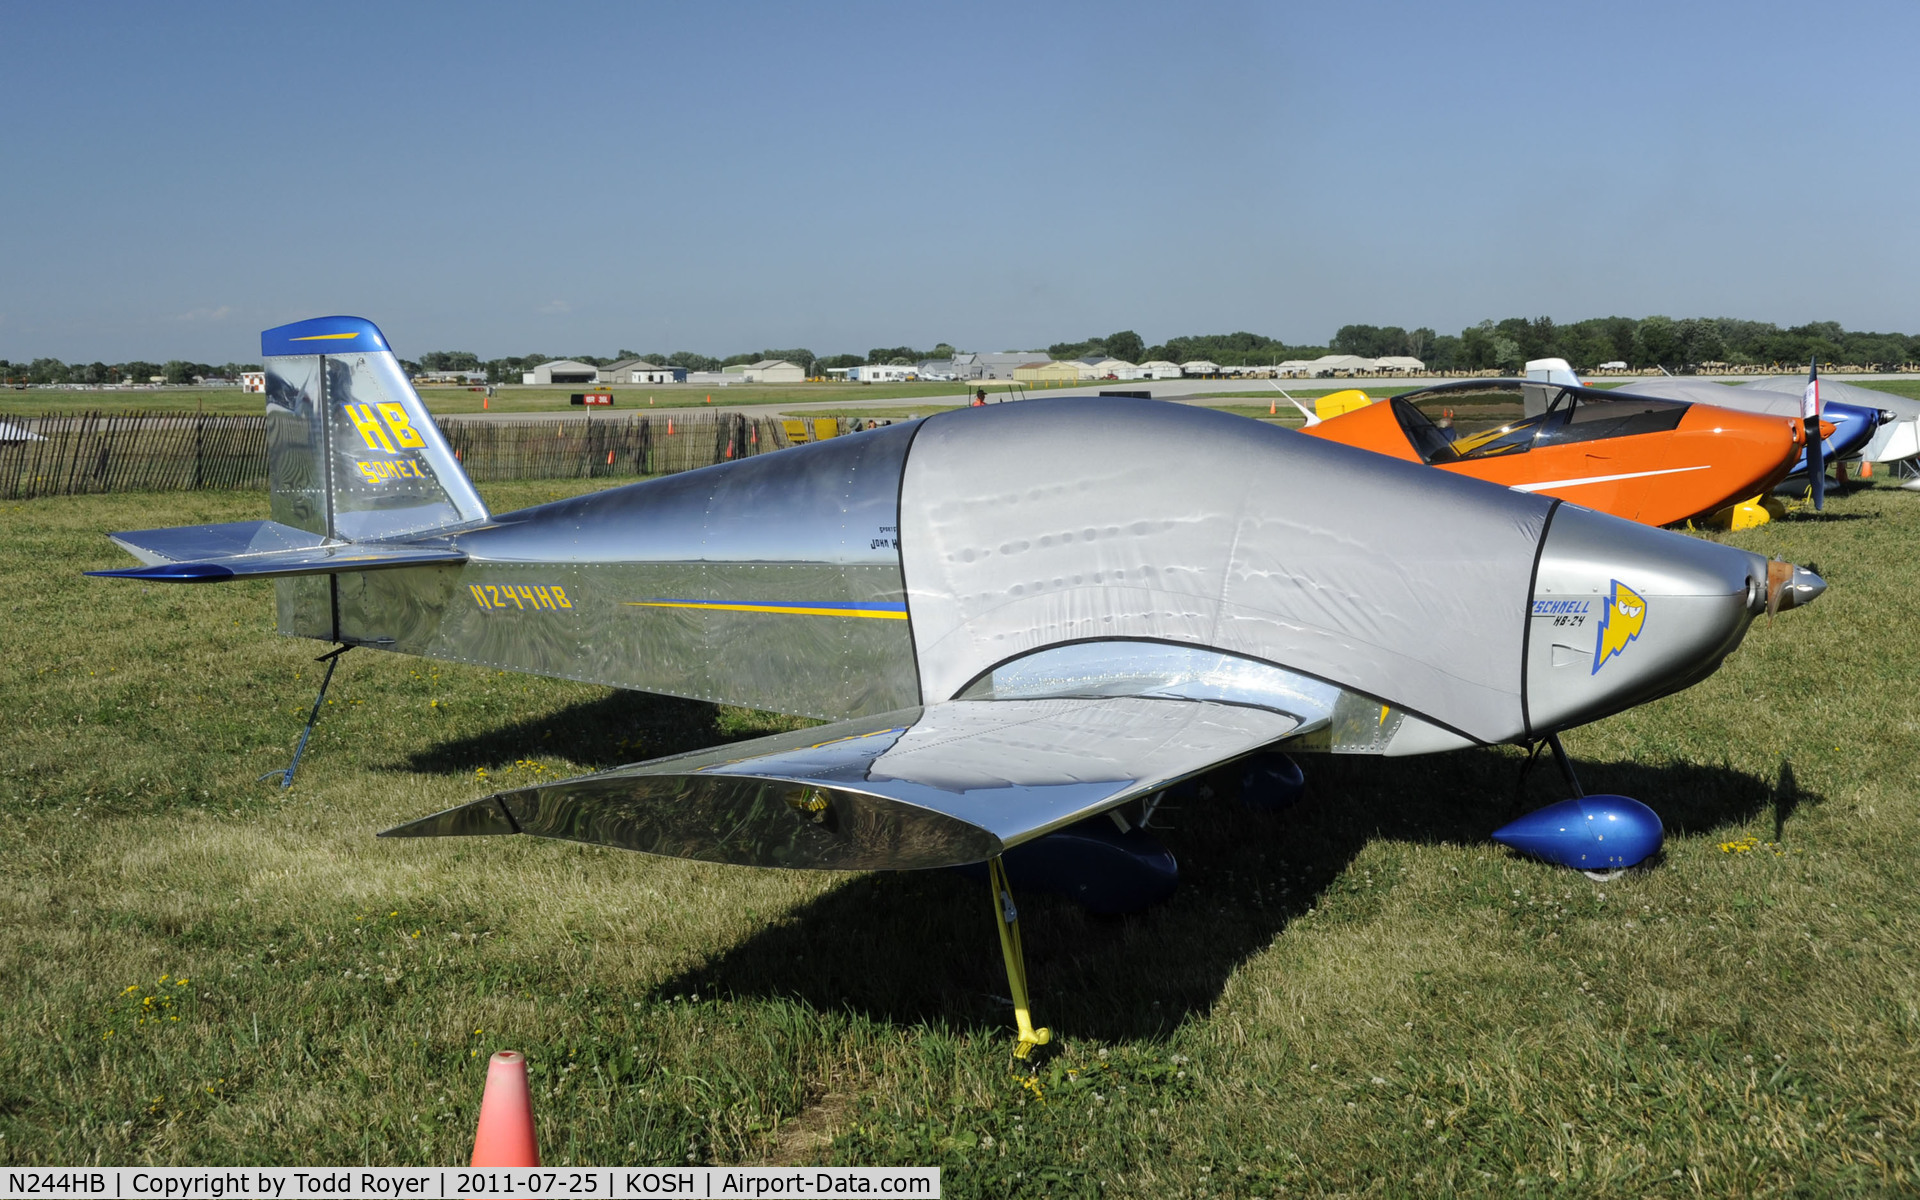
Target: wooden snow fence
(86, 453)
(79, 454)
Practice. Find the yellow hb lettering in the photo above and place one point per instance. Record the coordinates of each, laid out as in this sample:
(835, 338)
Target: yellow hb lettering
(369, 426)
(403, 431)
(540, 594)
(479, 594)
(560, 597)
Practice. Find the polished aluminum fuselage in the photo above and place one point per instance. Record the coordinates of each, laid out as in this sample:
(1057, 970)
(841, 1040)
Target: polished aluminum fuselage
(903, 566)
(674, 586)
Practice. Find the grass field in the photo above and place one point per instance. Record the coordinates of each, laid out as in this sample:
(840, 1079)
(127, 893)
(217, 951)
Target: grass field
(1361, 996)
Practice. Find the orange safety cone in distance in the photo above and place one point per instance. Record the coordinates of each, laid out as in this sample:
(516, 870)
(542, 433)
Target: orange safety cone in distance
(669, 426)
(505, 1137)
(709, 397)
(609, 458)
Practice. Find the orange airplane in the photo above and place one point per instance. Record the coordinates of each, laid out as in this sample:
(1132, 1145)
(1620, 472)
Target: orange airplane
(1648, 460)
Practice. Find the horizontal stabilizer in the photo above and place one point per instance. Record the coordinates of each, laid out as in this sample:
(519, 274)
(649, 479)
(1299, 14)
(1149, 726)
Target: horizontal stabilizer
(258, 549)
(937, 786)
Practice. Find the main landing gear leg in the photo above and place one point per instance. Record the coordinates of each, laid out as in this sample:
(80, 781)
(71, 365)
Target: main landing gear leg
(1566, 764)
(1007, 918)
(332, 659)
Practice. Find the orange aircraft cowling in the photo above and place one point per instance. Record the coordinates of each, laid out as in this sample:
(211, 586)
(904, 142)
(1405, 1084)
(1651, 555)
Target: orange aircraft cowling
(1656, 462)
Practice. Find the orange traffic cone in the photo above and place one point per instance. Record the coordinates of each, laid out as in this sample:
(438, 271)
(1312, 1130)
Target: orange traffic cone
(609, 458)
(1866, 469)
(1273, 408)
(669, 426)
(505, 1137)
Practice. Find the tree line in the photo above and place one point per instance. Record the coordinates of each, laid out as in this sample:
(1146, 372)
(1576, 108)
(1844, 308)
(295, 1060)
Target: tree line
(52, 370)
(1644, 343)
(1683, 344)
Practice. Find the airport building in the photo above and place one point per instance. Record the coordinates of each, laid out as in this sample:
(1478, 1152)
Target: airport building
(883, 373)
(767, 370)
(998, 365)
(639, 370)
(1329, 365)
(1047, 371)
(561, 372)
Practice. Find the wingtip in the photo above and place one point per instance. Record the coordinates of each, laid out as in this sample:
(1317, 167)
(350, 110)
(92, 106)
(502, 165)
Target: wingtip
(170, 573)
(479, 818)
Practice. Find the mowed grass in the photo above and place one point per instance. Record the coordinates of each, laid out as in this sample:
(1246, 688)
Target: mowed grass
(1358, 996)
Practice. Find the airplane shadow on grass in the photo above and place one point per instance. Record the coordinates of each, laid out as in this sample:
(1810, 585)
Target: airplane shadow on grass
(620, 728)
(919, 946)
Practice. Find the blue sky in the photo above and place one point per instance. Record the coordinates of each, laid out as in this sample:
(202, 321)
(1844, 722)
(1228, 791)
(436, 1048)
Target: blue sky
(725, 177)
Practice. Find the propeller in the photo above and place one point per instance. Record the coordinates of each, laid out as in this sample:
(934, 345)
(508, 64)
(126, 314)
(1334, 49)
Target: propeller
(1816, 458)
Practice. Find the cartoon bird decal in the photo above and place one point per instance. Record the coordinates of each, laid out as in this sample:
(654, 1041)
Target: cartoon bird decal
(1620, 623)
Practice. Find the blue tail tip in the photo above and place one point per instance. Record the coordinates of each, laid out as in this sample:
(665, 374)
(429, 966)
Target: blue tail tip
(323, 335)
(1589, 833)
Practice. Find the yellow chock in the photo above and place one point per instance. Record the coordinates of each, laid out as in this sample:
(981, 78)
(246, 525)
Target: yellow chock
(1747, 514)
(1007, 917)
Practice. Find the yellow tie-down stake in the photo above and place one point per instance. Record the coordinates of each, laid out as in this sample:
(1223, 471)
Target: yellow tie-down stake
(1007, 917)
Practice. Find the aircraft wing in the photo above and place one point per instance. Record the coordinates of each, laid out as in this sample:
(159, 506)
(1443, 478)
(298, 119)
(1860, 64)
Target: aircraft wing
(936, 786)
(210, 553)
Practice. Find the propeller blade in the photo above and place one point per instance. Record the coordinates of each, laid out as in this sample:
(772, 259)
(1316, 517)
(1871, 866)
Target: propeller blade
(1817, 468)
(1816, 447)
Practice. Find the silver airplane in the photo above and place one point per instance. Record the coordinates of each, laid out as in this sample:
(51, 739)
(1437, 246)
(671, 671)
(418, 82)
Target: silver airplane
(1019, 621)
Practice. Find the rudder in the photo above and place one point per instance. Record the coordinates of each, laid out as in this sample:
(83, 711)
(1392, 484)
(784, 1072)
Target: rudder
(353, 454)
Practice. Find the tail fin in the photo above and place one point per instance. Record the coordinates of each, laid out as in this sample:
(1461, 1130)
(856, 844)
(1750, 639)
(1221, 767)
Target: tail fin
(1552, 370)
(352, 452)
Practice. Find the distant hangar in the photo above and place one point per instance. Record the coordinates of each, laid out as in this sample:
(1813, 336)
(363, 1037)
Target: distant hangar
(564, 371)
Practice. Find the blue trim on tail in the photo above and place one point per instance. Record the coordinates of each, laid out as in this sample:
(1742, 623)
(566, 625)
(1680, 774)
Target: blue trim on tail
(323, 335)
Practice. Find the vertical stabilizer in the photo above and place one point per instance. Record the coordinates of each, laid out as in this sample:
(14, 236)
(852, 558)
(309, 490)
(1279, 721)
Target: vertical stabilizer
(352, 452)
